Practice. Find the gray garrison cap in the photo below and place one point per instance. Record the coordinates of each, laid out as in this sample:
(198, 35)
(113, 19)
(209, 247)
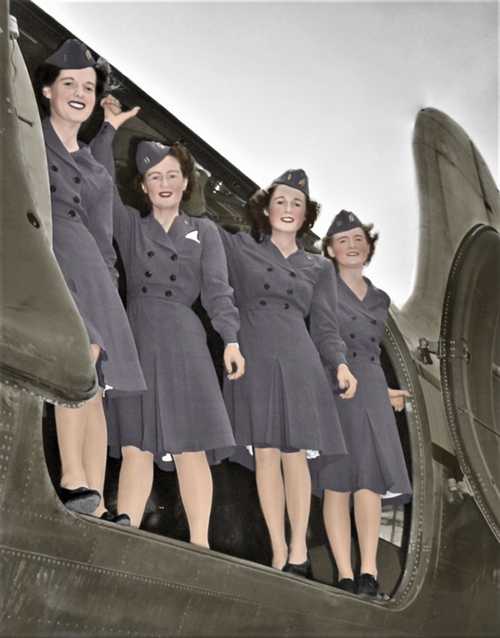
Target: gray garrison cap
(295, 178)
(345, 220)
(149, 154)
(73, 54)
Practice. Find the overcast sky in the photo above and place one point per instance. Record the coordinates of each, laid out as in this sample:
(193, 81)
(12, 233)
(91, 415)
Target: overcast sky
(328, 86)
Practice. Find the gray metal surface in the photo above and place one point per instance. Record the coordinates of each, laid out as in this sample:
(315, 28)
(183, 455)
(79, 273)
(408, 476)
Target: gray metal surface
(35, 328)
(471, 389)
(456, 191)
(68, 575)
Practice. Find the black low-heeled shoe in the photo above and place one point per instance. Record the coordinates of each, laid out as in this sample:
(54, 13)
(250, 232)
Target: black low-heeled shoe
(346, 584)
(81, 499)
(122, 519)
(299, 569)
(367, 585)
(118, 519)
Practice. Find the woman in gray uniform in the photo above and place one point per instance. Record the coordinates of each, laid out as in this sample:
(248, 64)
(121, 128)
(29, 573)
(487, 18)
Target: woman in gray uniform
(283, 406)
(82, 203)
(170, 259)
(375, 465)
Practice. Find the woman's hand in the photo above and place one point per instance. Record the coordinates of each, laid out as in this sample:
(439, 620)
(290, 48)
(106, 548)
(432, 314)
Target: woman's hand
(346, 381)
(397, 398)
(113, 111)
(234, 362)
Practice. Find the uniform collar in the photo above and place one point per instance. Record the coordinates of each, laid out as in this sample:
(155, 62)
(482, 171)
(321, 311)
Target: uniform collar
(351, 294)
(184, 224)
(298, 258)
(180, 227)
(371, 302)
(53, 142)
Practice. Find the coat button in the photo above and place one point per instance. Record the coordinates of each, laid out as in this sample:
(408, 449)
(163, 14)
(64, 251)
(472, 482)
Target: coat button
(270, 269)
(267, 286)
(354, 354)
(289, 291)
(76, 199)
(173, 257)
(372, 338)
(54, 168)
(71, 213)
(148, 273)
(374, 321)
(173, 277)
(353, 317)
(168, 293)
(353, 336)
(372, 358)
(150, 253)
(292, 274)
(76, 179)
(144, 289)
(286, 306)
(262, 302)
(52, 188)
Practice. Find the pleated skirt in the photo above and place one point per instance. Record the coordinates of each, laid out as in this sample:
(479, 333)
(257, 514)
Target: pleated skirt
(375, 461)
(284, 400)
(99, 304)
(182, 409)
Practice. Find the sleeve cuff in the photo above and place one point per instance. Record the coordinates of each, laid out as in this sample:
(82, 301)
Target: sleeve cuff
(230, 339)
(339, 359)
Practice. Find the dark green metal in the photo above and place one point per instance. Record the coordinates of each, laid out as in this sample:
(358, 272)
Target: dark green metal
(68, 575)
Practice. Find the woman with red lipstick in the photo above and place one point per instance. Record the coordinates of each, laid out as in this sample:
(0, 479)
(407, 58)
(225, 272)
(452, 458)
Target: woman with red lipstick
(170, 259)
(82, 199)
(283, 409)
(375, 465)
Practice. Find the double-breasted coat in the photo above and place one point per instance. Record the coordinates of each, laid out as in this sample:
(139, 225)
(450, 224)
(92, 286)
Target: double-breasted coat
(375, 461)
(284, 399)
(182, 409)
(82, 212)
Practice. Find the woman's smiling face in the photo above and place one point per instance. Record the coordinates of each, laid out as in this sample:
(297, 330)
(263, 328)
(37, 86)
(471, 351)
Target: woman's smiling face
(72, 95)
(287, 209)
(165, 184)
(349, 248)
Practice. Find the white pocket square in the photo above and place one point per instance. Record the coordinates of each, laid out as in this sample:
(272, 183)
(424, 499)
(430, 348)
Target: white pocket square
(193, 235)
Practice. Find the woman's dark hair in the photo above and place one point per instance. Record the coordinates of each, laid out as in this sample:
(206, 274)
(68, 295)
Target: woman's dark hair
(188, 170)
(47, 74)
(260, 226)
(371, 238)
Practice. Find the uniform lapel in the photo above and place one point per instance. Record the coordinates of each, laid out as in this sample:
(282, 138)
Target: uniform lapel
(297, 259)
(181, 226)
(300, 259)
(375, 299)
(56, 146)
(156, 232)
(367, 305)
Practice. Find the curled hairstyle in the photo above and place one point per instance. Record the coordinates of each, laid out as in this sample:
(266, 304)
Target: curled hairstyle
(46, 74)
(260, 225)
(188, 170)
(370, 236)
